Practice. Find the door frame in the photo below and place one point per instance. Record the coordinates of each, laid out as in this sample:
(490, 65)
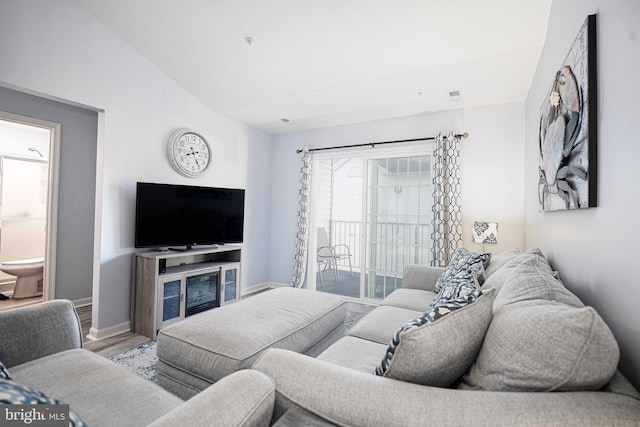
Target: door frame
(366, 153)
(49, 284)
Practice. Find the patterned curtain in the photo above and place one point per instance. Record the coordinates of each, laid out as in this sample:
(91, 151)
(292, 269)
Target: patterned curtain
(446, 236)
(304, 210)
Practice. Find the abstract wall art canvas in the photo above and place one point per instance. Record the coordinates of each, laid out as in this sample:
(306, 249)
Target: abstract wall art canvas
(568, 134)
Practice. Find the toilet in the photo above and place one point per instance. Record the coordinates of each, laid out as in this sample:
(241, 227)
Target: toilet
(29, 273)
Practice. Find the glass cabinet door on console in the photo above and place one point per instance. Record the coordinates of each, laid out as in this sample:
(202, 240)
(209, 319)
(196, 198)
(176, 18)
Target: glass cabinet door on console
(230, 283)
(170, 295)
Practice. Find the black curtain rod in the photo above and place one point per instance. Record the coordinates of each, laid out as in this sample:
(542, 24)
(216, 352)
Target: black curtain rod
(373, 144)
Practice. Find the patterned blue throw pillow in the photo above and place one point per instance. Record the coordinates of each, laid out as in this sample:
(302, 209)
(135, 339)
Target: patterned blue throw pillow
(4, 374)
(12, 393)
(16, 394)
(464, 264)
(457, 293)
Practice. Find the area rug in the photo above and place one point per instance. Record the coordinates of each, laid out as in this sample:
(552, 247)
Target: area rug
(351, 320)
(143, 360)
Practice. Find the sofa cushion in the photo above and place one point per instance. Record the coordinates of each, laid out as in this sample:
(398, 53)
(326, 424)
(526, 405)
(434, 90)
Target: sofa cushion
(533, 279)
(499, 273)
(544, 346)
(381, 323)
(410, 299)
(466, 263)
(439, 346)
(12, 393)
(499, 260)
(499, 276)
(421, 277)
(354, 353)
(100, 391)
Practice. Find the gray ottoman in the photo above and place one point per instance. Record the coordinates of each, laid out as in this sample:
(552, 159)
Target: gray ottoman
(202, 349)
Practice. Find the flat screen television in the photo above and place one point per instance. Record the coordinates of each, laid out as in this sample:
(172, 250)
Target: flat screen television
(184, 215)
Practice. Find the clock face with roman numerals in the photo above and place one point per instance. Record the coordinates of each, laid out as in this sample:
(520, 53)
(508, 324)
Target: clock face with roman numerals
(189, 153)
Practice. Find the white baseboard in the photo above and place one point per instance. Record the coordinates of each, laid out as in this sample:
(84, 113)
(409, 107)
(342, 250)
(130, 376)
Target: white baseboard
(279, 285)
(83, 302)
(260, 287)
(111, 331)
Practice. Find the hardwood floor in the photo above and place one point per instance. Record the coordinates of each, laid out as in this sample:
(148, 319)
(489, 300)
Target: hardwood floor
(7, 304)
(111, 346)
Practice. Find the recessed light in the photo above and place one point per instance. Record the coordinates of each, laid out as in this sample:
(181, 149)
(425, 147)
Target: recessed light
(287, 121)
(250, 40)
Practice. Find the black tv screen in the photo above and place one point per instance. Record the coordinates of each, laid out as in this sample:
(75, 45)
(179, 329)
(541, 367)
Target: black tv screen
(183, 215)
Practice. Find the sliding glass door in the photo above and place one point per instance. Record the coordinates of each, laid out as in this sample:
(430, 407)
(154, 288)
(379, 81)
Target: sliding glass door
(398, 218)
(375, 205)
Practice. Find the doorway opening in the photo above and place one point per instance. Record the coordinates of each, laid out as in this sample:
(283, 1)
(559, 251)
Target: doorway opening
(28, 179)
(375, 211)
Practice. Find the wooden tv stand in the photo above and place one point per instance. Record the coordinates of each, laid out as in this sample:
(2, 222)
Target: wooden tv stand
(161, 278)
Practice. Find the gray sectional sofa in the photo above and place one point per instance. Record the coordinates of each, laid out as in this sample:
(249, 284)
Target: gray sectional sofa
(521, 350)
(527, 351)
(40, 346)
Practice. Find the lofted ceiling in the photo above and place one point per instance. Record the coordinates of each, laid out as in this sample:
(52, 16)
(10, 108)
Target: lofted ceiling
(322, 63)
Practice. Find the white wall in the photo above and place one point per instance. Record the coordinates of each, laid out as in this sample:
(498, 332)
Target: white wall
(56, 48)
(596, 250)
(491, 158)
(17, 138)
(256, 255)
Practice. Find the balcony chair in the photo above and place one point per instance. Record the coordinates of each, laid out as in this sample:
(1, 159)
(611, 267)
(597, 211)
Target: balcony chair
(328, 255)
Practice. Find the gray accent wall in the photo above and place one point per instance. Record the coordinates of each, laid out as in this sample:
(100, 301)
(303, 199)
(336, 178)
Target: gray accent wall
(595, 250)
(76, 190)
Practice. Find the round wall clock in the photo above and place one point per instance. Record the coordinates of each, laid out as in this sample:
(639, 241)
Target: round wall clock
(189, 152)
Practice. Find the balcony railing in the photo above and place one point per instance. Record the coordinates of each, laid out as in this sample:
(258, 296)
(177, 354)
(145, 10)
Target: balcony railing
(391, 245)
